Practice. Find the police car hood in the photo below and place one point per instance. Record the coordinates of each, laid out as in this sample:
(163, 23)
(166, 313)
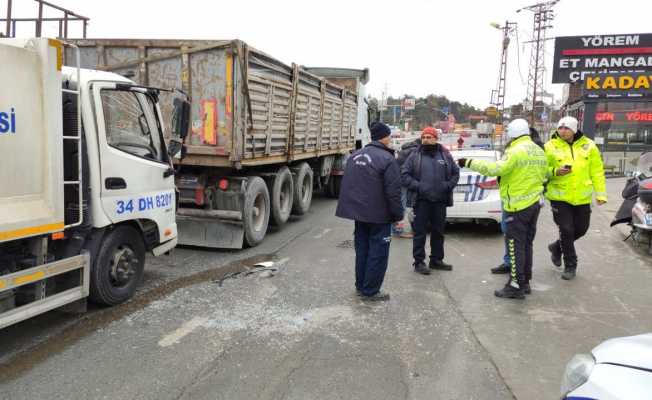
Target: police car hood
(631, 351)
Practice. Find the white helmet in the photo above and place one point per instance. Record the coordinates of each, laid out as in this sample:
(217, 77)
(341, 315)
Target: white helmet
(518, 128)
(568, 122)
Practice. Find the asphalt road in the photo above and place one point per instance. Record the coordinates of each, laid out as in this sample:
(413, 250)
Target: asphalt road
(303, 334)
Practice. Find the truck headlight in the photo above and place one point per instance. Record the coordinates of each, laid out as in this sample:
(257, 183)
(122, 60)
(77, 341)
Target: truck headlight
(577, 373)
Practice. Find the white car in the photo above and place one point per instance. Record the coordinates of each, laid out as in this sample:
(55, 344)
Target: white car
(617, 369)
(476, 198)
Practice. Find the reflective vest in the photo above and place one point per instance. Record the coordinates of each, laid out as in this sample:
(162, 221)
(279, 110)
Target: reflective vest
(522, 172)
(587, 172)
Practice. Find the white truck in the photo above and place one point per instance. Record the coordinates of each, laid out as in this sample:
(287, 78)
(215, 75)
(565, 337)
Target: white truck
(86, 182)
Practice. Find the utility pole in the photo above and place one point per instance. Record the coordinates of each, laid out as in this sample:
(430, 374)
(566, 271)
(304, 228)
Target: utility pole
(543, 14)
(499, 99)
(383, 102)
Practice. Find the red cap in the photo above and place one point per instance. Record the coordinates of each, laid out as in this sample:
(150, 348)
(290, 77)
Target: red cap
(429, 131)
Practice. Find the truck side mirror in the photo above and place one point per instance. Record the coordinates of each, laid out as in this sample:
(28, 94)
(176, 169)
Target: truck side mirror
(181, 118)
(175, 149)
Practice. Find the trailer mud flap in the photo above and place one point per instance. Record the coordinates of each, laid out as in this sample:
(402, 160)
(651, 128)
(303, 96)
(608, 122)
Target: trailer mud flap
(213, 233)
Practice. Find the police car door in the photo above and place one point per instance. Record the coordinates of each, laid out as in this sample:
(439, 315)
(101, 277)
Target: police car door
(136, 175)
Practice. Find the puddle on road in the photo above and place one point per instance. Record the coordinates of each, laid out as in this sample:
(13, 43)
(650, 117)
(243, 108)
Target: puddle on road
(24, 361)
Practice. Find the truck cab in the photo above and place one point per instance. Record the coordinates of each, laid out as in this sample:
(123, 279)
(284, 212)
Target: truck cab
(87, 183)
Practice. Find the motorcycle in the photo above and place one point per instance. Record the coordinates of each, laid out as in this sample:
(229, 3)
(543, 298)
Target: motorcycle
(636, 209)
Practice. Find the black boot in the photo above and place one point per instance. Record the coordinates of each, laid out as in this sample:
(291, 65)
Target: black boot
(526, 288)
(421, 268)
(555, 253)
(501, 269)
(569, 273)
(440, 265)
(510, 291)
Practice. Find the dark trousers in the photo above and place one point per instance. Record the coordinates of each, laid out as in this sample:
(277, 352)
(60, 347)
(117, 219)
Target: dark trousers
(573, 222)
(521, 230)
(371, 255)
(433, 214)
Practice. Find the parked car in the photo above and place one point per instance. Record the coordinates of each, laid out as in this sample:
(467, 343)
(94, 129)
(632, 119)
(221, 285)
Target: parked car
(619, 368)
(476, 197)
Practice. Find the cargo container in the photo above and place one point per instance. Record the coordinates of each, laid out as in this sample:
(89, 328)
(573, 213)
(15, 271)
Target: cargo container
(263, 133)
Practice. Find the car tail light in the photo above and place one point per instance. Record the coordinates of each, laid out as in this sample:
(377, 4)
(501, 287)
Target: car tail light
(647, 185)
(492, 184)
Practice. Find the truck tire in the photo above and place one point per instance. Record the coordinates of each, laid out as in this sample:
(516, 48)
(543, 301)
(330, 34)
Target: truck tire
(302, 189)
(282, 193)
(255, 215)
(118, 269)
(334, 185)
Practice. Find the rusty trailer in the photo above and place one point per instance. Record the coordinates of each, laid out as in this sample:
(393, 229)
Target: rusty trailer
(263, 133)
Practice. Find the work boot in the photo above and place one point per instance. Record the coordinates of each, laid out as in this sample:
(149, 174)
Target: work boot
(501, 269)
(440, 265)
(526, 288)
(568, 274)
(421, 268)
(555, 253)
(379, 296)
(510, 292)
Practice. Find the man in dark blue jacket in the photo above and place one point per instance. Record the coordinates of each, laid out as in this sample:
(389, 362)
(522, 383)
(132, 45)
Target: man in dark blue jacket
(430, 175)
(371, 196)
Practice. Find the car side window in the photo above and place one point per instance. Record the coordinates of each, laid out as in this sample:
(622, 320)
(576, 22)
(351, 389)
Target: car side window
(131, 123)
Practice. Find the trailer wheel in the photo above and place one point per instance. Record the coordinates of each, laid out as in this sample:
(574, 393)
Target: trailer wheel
(255, 215)
(334, 185)
(302, 189)
(118, 268)
(282, 193)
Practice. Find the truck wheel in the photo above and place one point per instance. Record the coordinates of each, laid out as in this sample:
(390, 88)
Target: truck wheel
(282, 196)
(255, 215)
(302, 189)
(334, 185)
(118, 268)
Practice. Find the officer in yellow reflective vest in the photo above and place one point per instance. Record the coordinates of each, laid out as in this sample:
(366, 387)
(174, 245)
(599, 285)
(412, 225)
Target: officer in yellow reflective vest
(576, 173)
(522, 171)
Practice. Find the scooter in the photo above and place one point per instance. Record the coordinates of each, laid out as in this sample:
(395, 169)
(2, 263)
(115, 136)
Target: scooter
(636, 209)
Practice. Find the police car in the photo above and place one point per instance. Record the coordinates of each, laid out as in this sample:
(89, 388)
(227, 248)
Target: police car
(619, 368)
(476, 197)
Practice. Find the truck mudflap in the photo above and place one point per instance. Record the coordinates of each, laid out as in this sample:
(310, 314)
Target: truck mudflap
(210, 232)
(40, 274)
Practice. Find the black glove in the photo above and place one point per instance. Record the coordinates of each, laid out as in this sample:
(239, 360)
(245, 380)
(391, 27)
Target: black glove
(463, 162)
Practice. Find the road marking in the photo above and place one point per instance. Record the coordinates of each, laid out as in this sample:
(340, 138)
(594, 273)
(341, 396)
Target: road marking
(185, 329)
(321, 235)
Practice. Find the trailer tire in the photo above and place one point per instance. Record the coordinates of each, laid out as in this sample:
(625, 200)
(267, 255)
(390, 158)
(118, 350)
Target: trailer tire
(303, 185)
(256, 210)
(118, 268)
(282, 194)
(334, 186)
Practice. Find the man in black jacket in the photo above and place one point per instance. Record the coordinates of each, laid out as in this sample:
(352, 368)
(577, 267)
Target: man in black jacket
(371, 196)
(430, 175)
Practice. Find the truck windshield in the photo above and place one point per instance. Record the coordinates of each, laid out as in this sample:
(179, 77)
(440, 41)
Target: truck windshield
(130, 123)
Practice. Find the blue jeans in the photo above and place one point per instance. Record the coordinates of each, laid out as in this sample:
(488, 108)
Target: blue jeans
(503, 227)
(371, 256)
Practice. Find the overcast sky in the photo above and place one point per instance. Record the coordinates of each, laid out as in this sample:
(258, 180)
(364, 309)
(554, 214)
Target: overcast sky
(414, 47)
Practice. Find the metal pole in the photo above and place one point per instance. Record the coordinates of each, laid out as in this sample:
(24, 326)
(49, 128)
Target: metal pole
(537, 25)
(65, 25)
(39, 22)
(8, 31)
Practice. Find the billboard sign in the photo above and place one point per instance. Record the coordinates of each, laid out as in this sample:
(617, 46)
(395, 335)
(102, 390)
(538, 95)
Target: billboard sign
(409, 103)
(617, 86)
(577, 57)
